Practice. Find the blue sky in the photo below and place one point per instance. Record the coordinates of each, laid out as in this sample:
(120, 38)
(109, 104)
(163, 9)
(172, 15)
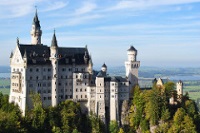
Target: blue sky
(165, 32)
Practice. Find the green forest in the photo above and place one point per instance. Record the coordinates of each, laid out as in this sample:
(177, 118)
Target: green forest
(149, 110)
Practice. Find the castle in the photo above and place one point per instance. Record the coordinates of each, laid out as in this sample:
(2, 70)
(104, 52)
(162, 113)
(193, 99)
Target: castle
(60, 73)
(179, 90)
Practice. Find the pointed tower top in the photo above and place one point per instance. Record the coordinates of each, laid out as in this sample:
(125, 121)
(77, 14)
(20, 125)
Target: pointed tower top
(104, 65)
(11, 54)
(54, 40)
(36, 21)
(132, 48)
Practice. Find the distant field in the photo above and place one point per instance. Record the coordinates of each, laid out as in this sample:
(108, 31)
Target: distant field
(191, 88)
(5, 91)
(5, 86)
(4, 82)
(194, 95)
(193, 91)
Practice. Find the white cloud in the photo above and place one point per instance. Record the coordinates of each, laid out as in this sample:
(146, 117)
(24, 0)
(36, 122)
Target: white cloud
(145, 27)
(15, 8)
(54, 6)
(73, 21)
(18, 8)
(86, 8)
(142, 4)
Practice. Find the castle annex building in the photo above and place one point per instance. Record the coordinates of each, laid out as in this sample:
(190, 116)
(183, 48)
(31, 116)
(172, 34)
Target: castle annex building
(60, 73)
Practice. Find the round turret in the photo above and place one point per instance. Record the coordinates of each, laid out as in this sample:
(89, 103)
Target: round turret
(36, 31)
(179, 88)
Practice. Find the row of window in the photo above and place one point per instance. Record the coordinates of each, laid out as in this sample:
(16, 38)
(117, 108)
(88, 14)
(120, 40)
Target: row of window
(15, 77)
(17, 70)
(17, 85)
(60, 97)
(49, 69)
(49, 77)
(113, 84)
(135, 65)
(80, 90)
(81, 96)
(80, 84)
(49, 90)
(113, 96)
(37, 69)
(115, 90)
(80, 76)
(49, 84)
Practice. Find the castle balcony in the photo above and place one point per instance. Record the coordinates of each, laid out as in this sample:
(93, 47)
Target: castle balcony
(80, 100)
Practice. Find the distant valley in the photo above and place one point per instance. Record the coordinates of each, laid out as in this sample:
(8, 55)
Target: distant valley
(190, 77)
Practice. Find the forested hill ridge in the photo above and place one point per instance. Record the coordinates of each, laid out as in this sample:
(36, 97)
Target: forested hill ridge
(152, 72)
(148, 111)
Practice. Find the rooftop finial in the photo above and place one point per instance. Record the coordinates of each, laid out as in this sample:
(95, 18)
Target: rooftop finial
(35, 9)
(17, 40)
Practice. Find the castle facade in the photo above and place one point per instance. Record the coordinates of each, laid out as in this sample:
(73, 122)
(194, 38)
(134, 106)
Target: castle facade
(60, 73)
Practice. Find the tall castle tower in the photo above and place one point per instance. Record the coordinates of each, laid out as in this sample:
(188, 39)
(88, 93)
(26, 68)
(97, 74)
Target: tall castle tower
(36, 31)
(132, 66)
(179, 88)
(54, 63)
(100, 93)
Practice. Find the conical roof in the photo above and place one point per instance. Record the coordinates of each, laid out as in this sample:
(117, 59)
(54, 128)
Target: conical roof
(104, 65)
(132, 49)
(36, 21)
(54, 41)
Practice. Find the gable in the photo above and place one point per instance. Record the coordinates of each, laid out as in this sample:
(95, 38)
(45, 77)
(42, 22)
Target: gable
(17, 57)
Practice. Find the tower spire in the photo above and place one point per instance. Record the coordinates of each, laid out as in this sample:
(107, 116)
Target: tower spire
(36, 31)
(54, 40)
